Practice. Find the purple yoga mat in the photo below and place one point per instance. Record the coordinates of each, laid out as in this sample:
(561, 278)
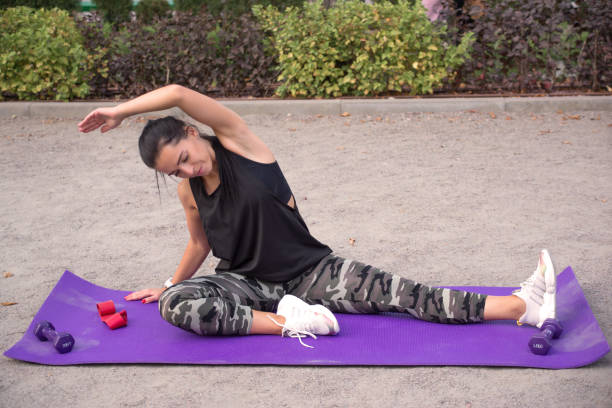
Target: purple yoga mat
(388, 339)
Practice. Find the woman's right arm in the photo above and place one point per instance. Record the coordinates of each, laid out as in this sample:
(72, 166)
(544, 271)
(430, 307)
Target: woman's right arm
(197, 247)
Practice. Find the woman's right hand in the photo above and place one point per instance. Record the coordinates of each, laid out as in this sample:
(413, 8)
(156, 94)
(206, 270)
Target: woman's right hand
(108, 118)
(146, 295)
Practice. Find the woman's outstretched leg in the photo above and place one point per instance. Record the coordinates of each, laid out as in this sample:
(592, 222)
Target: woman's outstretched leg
(348, 286)
(352, 287)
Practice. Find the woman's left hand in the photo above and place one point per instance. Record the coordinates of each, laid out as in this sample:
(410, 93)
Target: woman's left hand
(146, 295)
(108, 118)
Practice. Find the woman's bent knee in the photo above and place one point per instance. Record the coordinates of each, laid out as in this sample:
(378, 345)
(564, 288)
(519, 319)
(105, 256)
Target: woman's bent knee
(206, 316)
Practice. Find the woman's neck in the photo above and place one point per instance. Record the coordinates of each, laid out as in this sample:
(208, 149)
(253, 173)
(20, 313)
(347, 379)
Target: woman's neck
(212, 180)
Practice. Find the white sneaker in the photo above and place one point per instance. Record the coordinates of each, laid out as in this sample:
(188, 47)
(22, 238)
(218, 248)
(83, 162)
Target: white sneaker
(539, 292)
(302, 319)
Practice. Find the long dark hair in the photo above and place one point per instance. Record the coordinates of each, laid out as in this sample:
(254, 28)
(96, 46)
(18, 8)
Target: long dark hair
(158, 133)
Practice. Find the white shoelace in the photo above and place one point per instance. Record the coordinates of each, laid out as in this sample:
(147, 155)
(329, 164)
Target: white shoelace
(294, 333)
(530, 282)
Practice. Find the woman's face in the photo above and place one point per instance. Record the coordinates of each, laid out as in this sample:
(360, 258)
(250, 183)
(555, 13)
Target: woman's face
(190, 157)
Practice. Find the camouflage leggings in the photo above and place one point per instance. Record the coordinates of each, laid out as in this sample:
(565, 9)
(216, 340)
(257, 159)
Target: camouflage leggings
(222, 304)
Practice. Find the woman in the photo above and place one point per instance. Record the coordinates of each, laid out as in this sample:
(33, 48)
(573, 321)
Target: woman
(274, 277)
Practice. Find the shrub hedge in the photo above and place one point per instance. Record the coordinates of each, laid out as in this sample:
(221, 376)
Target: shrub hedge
(114, 11)
(235, 7)
(355, 48)
(41, 55)
(148, 10)
(538, 44)
(47, 4)
(98, 40)
(219, 55)
(350, 48)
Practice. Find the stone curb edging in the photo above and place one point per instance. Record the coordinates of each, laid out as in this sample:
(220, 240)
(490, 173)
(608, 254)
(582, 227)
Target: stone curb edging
(77, 110)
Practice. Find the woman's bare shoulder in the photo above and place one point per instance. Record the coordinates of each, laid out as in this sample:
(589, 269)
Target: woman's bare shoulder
(245, 143)
(185, 194)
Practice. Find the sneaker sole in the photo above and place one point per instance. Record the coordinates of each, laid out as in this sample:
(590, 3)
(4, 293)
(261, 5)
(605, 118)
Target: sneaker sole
(548, 309)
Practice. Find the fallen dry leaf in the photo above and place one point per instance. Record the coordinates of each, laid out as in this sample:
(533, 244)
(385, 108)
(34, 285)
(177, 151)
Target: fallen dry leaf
(534, 117)
(292, 129)
(378, 118)
(508, 117)
(345, 114)
(319, 115)
(472, 111)
(352, 241)
(362, 121)
(8, 274)
(560, 112)
(492, 115)
(340, 148)
(347, 123)
(123, 150)
(543, 132)
(574, 117)
(567, 142)
(8, 303)
(604, 200)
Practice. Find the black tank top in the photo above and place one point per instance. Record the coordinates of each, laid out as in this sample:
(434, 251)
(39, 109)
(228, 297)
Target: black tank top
(249, 224)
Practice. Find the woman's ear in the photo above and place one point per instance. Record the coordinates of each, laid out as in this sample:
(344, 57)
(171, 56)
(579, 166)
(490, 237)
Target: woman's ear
(192, 132)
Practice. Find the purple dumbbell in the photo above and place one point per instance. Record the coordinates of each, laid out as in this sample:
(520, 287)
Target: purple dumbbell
(62, 342)
(540, 343)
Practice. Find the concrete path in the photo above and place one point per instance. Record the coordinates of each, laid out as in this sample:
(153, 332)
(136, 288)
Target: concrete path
(466, 196)
(75, 110)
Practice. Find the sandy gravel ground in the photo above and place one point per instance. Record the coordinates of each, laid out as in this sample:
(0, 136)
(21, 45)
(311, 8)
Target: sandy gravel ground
(459, 198)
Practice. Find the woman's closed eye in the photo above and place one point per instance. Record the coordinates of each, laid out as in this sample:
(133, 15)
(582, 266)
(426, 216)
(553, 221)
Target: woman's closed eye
(178, 171)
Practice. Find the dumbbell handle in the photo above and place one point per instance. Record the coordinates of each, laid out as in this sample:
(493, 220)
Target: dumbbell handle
(63, 347)
(49, 333)
(548, 333)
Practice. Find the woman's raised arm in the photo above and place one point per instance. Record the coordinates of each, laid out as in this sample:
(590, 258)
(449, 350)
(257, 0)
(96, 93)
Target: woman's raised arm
(231, 130)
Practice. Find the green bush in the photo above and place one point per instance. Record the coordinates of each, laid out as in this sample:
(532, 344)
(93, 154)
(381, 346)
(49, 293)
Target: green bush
(114, 11)
(192, 6)
(147, 10)
(354, 48)
(47, 4)
(97, 40)
(42, 56)
(235, 7)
